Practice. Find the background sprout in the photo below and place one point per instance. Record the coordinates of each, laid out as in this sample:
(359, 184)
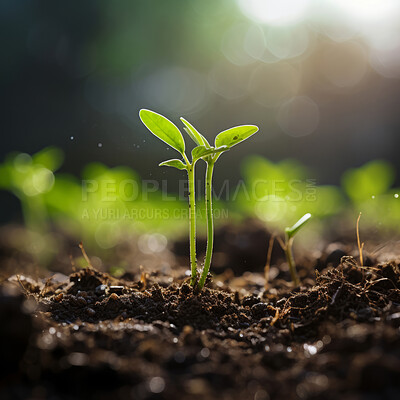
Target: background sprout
(287, 246)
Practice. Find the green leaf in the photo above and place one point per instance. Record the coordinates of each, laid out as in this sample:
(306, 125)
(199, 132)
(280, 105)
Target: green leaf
(194, 134)
(5, 177)
(290, 232)
(50, 158)
(163, 128)
(202, 151)
(233, 136)
(173, 163)
(372, 179)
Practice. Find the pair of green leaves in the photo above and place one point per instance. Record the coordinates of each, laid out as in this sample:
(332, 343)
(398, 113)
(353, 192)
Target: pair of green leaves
(165, 130)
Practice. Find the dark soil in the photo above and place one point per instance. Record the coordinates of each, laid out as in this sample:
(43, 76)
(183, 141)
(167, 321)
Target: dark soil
(90, 335)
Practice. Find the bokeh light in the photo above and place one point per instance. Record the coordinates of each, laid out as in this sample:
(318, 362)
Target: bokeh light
(255, 45)
(174, 88)
(368, 10)
(299, 116)
(286, 43)
(233, 45)
(272, 84)
(275, 12)
(230, 83)
(344, 64)
(320, 78)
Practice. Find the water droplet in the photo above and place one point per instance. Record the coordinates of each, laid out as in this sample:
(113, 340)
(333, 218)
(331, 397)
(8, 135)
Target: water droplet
(372, 197)
(179, 357)
(144, 140)
(99, 144)
(156, 384)
(138, 146)
(72, 138)
(205, 352)
(310, 349)
(396, 195)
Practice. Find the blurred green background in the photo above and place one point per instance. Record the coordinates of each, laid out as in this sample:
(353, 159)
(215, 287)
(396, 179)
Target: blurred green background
(320, 79)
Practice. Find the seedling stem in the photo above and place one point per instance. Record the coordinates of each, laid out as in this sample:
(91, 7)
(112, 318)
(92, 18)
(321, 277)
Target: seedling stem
(210, 224)
(166, 131)
(290, 261)
(287, 246)
(192, 223)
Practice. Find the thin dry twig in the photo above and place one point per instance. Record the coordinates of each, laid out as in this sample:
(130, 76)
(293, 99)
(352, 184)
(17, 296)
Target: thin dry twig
(276, 317)
(143, 276)
(268, 263)
(359, 244)
(48, 280)
(85, 256)
(72, 261)
(281, 242)
(27, 293)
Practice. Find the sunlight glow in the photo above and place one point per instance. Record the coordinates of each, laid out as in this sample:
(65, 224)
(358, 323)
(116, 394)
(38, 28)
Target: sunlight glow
(368, 10)
(285, 29)
(275, 12)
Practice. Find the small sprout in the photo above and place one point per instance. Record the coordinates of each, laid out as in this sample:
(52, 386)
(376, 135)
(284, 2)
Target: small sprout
(171, 135)
(223, 142)
(287, 246)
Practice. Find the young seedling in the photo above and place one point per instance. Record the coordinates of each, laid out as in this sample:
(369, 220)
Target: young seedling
(224, 140)
(170, 134)
(288, 244)
(166, 131)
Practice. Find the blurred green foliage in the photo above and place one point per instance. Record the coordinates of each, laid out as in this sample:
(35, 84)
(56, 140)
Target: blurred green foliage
(370, 191)
(372, 179)
(280, 193)
(121, 46)
(29, 179)
(108, 204)
(105, 205)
